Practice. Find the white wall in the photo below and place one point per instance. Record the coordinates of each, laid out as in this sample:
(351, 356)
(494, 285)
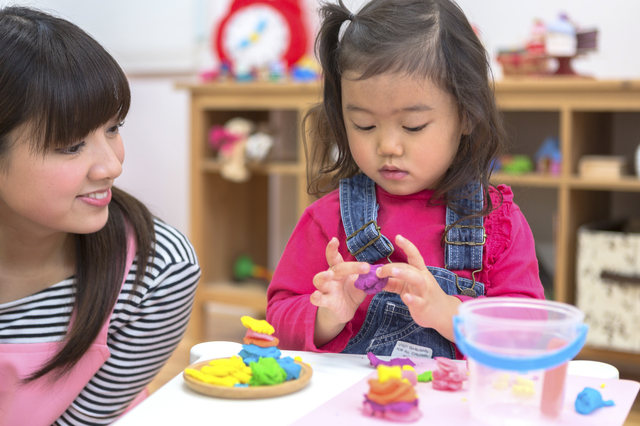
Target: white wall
(157, 40)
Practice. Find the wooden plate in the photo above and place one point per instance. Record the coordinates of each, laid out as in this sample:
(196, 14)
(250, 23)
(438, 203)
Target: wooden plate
(251, 392)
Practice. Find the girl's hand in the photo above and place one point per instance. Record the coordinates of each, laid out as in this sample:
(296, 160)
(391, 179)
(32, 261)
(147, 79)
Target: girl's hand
(428, 304)
(336, 296)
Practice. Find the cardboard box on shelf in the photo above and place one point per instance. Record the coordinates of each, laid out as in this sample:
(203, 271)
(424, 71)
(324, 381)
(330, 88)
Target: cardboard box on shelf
(602, 166)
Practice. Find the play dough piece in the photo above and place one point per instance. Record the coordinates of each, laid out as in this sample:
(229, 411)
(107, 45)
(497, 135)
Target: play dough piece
(259, 326)
(369, 282)
(262, 336)
(589, 400)
(291, 368)
(252, 353)
(394, 412)
(427, 376)
(393, 390)
(375, 361)
(447, 377)
(266, 372)
(260, 342)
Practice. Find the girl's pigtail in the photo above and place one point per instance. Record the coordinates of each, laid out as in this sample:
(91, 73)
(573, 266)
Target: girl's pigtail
(326, 118)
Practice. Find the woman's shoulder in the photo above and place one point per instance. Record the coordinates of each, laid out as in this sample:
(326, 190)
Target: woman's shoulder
(172, 246)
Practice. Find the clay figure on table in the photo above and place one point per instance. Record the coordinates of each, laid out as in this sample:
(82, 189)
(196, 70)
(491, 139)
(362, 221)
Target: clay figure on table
(400, 149)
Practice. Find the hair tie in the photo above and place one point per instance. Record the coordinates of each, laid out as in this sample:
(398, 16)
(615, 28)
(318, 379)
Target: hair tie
(351, 16)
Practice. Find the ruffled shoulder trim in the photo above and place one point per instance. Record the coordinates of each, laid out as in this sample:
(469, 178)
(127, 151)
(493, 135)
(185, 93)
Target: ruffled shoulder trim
(498, 224)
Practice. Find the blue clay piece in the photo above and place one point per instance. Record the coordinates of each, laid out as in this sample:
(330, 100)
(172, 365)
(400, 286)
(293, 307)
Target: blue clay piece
(589, 400)
(291, 368)
(369, 282)
(253, 353)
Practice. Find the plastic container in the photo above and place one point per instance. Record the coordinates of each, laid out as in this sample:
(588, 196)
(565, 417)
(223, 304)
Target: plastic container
(518, 350)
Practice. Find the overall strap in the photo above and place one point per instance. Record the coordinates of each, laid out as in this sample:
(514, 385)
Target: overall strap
(464, 240)
(359, 211)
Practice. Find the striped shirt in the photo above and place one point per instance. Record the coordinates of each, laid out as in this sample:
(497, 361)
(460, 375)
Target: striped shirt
(144, 330)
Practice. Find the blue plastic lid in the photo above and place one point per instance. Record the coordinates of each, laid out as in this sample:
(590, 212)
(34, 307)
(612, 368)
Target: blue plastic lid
(530, 363)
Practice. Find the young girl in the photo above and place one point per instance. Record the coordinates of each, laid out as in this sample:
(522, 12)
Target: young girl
(407, 132)
(95, 293)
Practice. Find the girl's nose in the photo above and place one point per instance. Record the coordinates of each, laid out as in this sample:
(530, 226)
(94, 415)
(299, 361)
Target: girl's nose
(390, 145)
(108, 159)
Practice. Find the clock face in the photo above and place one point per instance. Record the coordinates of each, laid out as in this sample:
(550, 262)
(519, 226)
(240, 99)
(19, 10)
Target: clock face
(255, 36)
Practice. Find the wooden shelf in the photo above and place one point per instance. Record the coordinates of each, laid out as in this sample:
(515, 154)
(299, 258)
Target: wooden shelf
(529, 179)
(228, 219)
(277, 168)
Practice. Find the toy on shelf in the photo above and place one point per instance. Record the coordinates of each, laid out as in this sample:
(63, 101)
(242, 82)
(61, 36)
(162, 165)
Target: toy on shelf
(235, 143)
(548, 157)
(244, 268)
(515, 164)
(560, 39)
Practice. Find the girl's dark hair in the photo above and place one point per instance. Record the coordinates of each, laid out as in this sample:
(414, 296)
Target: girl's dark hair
(60, 83)
(424, 38)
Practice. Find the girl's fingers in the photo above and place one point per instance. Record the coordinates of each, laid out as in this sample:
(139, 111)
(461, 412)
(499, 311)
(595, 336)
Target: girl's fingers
(350, 268)
(333, 255)
(414, 258)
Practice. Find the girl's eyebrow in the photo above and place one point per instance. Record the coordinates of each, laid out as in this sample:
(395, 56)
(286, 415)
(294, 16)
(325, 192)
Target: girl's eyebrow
(412, 108)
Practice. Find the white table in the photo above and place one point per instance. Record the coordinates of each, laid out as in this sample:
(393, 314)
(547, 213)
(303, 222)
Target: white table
(177, 404)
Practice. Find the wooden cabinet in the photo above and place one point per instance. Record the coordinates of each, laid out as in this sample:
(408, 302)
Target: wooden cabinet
(256, 217)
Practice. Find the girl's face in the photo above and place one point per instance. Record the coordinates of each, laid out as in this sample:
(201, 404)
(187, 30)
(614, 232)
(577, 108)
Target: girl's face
(403, 132)
(64, 190)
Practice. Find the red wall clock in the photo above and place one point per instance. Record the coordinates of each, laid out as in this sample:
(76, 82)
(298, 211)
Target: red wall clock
(256, 33)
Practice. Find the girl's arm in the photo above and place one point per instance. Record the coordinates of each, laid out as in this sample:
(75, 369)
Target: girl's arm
(290, 309)
(145, 328)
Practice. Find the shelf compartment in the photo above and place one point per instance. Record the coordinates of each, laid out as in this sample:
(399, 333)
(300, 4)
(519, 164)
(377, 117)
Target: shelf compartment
(624, 183)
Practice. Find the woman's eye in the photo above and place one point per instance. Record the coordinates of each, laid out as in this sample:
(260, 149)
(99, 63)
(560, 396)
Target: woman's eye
(115, 129)
(415, 129)
(363, 129)
(74, 149)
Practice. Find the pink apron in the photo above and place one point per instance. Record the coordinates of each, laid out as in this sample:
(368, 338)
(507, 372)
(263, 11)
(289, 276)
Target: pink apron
(41, 402)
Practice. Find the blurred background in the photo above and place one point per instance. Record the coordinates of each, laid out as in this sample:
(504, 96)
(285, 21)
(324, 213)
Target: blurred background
(158, 42)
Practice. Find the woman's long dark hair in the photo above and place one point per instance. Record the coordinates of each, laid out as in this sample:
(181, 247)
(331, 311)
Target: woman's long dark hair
(58, 81)
(423, 38)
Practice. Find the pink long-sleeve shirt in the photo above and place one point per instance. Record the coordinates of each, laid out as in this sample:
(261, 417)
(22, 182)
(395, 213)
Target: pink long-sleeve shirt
(510, 267)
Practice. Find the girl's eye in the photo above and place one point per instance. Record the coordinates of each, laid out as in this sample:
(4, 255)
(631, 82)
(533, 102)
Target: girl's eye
(115, 129)
(363, 129)
(74, 149)
(415, 129)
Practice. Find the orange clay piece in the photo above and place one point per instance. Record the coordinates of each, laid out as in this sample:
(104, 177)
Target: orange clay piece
(392, 390)
(260, 342)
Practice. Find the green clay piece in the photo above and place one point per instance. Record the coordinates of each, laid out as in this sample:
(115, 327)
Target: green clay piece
(266, 372)
(427, 376)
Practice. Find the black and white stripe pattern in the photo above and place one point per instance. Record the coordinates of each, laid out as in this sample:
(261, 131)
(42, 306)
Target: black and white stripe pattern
(145, 328)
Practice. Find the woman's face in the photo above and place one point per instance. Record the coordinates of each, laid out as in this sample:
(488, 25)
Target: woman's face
(63, 190)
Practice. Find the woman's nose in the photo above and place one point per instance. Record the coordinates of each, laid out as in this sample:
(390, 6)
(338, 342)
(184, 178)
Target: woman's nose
(108, 159)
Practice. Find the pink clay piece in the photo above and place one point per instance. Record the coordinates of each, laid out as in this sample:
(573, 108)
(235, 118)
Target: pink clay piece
(369, 282)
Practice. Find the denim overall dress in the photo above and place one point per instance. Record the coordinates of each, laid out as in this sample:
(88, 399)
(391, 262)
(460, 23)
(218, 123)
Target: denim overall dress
(388, 328)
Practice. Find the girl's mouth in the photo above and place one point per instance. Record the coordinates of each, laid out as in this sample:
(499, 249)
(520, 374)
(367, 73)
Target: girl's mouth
(393, 173)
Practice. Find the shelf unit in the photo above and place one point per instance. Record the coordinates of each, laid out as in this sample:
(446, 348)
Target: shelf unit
(254, 217)
(589, 118)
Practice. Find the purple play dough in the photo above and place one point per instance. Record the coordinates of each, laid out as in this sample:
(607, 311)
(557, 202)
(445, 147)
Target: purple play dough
(398, 407)
(369, 282)
(375, 361)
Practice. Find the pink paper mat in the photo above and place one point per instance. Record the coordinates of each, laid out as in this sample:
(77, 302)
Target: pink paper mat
(452, 408)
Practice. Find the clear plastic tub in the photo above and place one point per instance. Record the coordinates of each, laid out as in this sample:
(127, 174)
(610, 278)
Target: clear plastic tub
(517, 351)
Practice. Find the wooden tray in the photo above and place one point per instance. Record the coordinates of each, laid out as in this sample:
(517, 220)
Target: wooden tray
(251, 392)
